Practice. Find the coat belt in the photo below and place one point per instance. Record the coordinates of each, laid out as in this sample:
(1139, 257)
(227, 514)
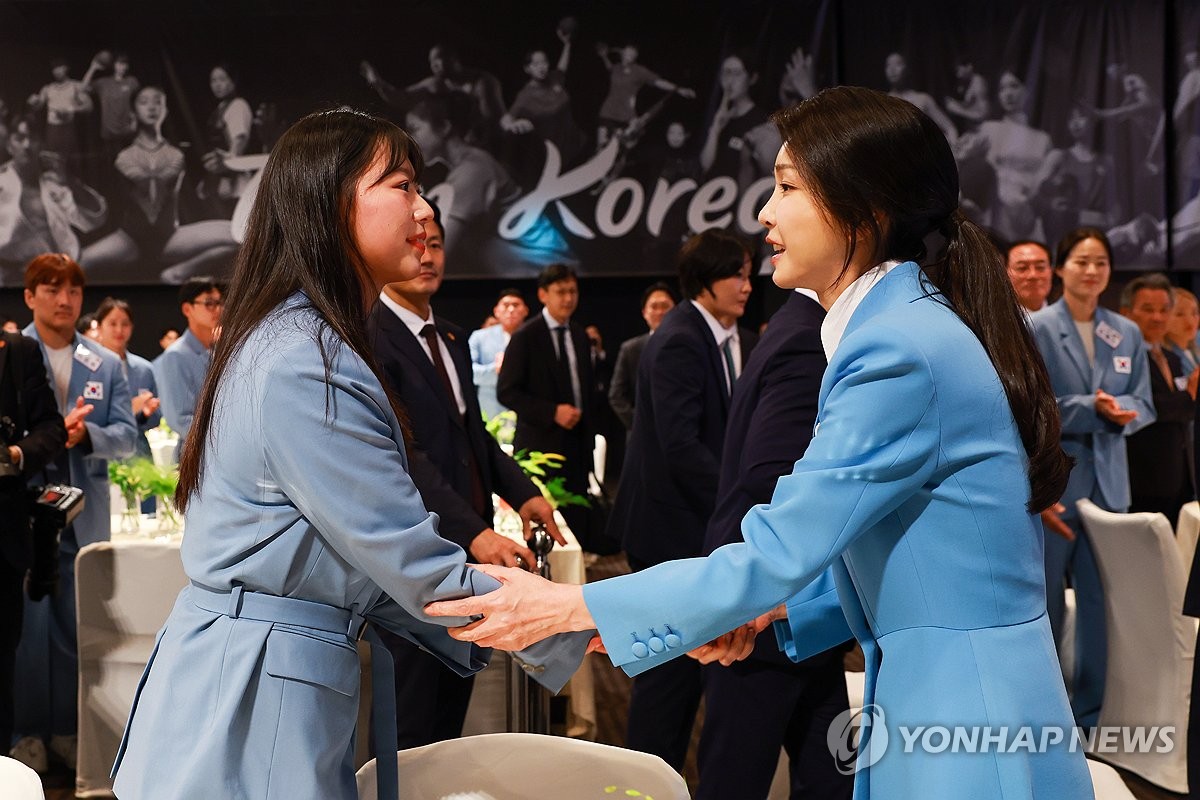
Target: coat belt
(238, 603)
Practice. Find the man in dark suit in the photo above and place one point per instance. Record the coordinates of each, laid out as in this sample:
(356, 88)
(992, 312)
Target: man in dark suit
(547, 378)
(1160, 478)
(669, 482)
(454, 464)
(32, 435)
(657, 300)
(767, 701)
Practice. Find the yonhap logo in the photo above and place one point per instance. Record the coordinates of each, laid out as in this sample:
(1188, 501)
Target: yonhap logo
(846, 733)
(858, 738)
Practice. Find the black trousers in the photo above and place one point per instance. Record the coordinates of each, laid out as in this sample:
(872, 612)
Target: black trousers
(12, 602)
(756, 706)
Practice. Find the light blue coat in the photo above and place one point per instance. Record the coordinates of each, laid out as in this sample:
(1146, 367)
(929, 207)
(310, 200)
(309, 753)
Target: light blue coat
(485, 344)
(180, 371)
(1101, 471)
(305, 494)
(111, 430)
(914, 491)
(141, 376)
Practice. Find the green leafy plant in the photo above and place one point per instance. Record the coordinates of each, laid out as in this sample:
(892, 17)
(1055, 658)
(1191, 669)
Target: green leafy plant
(139, 478)
(502, 426)
(536, 465)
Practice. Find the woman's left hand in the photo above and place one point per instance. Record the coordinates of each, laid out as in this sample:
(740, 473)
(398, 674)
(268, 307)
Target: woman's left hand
(523, 611)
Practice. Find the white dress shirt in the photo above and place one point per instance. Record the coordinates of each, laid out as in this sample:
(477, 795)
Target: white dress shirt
(839, 314)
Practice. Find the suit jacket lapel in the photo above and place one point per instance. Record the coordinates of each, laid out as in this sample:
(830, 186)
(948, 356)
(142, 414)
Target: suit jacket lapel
(460, 358)
(1104, 351)
(404, 340)
(1072, 345)
(716, 363)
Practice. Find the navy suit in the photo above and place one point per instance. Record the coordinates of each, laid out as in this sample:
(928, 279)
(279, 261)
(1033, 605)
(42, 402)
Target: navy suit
(767, 701)
(668, 490)
(431, 699)
(531, 385)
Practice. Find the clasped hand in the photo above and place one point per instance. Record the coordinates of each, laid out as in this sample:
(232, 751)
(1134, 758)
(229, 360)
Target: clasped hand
(739, 642)
(524, 610)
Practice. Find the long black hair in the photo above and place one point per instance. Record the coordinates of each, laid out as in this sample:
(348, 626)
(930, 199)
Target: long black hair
(299, 237)
(885, 175)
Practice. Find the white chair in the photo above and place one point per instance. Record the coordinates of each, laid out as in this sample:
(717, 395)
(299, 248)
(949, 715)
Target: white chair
(19, 782)
(1187, 531)
(124, 592)
(518, 766)
(1107, 783)
(1066, 643)
(1150, 643)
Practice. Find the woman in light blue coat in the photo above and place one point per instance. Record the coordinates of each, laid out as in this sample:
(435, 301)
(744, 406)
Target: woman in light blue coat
(302, 521)
(1100, 373)
(936, 446)
(115, 319)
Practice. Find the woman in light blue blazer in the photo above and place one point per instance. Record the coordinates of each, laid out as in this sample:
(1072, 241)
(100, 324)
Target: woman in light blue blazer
(935, 448)
(115, 319)
(1099, 370)
(302, 521)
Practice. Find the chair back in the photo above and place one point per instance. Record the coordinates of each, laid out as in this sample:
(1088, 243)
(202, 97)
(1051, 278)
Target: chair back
(124, 592)
(499, 766)
(1150, 643)
(1107, 782)
(19, 782)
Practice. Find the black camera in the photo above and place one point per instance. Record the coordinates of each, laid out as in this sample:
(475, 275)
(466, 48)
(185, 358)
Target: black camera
(49, 508)
(8, 433)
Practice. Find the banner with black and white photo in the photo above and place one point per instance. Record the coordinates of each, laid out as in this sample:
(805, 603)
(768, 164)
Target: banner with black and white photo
(600, 134)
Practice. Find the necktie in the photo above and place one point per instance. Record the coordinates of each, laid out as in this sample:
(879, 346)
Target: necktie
(566, 384)
(1160, 361)
(430, 335)
(479, 499)
(727, 350)
(561, 333)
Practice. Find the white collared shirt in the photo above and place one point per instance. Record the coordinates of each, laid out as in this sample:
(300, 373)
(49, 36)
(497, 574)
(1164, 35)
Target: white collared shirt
(720, 333)
(552, 323)
(839, 314)
(415, 324)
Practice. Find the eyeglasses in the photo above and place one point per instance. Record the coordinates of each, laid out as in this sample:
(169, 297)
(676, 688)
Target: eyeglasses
(209, 304)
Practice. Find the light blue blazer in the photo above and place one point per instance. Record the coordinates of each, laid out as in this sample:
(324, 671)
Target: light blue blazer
(180, 371)
(913, 490)
(305, 494)
(141, 376)
(485, 343)
(111, 430)
(1101, 471)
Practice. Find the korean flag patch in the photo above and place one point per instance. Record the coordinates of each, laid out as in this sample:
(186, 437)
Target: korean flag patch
(93, 390)
(1123, 364)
